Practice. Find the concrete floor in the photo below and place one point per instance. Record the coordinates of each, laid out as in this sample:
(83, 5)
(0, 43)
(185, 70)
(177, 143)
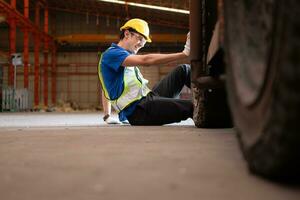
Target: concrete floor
(59, 156)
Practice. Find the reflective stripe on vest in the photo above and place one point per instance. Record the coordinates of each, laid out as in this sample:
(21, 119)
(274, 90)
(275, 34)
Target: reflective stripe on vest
(135, 88)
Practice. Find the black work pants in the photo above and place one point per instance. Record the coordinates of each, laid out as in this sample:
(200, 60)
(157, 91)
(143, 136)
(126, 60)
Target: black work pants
(162, 106)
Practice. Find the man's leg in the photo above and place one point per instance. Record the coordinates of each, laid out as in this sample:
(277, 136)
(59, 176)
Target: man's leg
(156, 110)
(171, 85)
(160, 107)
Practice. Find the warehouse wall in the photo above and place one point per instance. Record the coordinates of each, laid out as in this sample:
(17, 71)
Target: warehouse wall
(77, 78)
(78, 82)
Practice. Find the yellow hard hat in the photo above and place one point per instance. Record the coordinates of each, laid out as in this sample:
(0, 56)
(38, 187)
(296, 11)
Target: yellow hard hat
(139, 25)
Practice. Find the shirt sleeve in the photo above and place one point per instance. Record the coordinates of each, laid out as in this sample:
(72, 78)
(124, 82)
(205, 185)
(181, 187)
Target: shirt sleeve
(115, 57)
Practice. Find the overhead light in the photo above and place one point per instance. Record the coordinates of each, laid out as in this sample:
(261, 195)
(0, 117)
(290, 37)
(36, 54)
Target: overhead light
(148, 6)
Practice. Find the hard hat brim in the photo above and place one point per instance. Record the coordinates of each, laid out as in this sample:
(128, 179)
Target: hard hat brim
(148, 39)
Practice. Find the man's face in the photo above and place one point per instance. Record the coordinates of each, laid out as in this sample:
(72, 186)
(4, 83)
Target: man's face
(136, 42)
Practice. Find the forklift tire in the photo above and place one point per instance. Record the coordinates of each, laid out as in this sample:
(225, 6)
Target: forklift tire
(263, 83)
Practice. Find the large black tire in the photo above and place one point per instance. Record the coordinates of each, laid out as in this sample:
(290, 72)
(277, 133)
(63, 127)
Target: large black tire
(262, 45)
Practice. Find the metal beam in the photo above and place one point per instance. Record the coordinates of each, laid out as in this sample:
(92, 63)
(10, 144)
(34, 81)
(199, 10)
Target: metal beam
(26, 45)
(12, 42)
(197, 49)
(36, 57)
(46, 50)
(53, 75)
(210, 82)
(108, 38)
(21, 21)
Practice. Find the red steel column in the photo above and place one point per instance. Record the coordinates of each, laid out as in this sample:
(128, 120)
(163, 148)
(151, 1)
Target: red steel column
(26, 45)
(12, 43)
(46, 49)
(36, 69)
(53, 75)
(36, 57)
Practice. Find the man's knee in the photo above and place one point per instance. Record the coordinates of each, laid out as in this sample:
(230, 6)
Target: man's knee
(185, 71)
(186, 67)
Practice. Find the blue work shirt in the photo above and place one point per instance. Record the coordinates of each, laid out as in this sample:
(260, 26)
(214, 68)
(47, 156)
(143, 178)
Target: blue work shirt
(113, 75)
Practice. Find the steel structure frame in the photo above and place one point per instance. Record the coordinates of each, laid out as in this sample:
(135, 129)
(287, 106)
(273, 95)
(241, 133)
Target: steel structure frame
(97, 8)
(14, 19)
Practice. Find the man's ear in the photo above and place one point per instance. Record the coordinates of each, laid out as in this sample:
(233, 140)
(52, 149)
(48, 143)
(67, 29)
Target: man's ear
(126, 34)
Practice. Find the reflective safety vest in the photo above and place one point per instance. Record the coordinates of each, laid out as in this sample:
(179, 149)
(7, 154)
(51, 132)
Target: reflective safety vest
(135, 88)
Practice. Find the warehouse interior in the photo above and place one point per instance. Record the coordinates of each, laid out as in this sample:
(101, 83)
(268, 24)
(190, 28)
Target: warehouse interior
(59, 43)
(54, 143)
